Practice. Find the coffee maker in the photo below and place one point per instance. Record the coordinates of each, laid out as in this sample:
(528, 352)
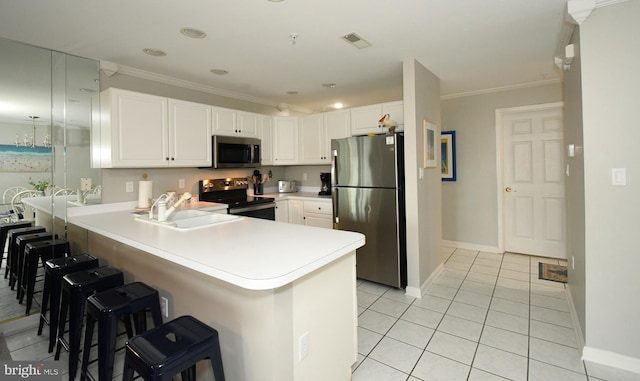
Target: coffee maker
(325, 188)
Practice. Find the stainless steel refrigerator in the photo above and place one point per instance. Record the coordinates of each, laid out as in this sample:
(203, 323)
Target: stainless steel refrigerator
(367, 174)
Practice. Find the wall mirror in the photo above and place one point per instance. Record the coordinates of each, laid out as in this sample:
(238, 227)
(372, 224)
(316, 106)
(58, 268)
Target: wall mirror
(47, 104)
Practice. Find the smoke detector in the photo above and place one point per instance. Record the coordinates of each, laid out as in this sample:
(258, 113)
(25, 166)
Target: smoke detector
(355, 40)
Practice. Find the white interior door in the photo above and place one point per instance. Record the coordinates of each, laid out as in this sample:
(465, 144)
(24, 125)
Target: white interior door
(533, 165)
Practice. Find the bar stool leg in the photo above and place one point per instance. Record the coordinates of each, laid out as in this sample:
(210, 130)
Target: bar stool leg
(44, 306)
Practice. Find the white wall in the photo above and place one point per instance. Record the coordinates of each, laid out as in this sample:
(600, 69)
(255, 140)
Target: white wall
(469, 205)
(610, 95)
(423, 195)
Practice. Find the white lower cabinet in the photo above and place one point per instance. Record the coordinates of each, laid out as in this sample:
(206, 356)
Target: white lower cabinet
(282, 210)
(307, 212)
(318, 213)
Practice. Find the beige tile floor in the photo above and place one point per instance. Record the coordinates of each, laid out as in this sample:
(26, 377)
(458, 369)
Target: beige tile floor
(486, 317)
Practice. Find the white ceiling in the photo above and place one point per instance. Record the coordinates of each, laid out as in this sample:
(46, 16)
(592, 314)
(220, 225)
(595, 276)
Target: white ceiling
(470, 45)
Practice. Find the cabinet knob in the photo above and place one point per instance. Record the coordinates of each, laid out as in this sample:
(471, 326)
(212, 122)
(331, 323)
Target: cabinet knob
(166, 158)
(173, 158)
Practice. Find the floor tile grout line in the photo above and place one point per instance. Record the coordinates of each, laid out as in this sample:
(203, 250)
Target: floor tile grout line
(475, 353)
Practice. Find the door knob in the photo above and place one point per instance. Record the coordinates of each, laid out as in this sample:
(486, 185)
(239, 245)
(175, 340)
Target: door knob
(507, 189)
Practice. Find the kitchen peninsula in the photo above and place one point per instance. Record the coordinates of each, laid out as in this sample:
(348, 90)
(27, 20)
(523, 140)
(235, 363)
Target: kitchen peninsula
(282, 296)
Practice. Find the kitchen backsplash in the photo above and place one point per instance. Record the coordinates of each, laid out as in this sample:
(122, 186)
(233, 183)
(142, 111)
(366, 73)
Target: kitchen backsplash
(164, 179)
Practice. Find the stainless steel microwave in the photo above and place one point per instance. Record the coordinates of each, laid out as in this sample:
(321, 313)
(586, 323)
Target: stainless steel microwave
(234, 152)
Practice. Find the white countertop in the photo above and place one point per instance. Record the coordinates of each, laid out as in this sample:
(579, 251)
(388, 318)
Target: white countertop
(250, 253)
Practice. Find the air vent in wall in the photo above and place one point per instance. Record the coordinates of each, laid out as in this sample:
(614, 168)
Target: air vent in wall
(355, 40)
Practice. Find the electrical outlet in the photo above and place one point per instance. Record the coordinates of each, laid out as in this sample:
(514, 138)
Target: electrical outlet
(181, 183)
(303, 346)
(164, 306)
(128, 186)
(573, 262)
(304, 177)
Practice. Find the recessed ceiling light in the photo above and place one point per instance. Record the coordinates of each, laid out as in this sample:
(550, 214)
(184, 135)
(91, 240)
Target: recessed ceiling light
(292, 92)
(85, 90)
(329, 85)
(219, 71)
(193, 32)
(154, 52)
(276, 1)
(338, 105)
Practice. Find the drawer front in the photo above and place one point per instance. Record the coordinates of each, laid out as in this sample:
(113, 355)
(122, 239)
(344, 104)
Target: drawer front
(318, 207)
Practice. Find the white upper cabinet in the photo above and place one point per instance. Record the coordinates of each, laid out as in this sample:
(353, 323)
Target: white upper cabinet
(229, 122)
(337, 125)
(364, 120)
(311, 139)
(265, 128)
(190, 134)
(224, 121)
(141, 130)
(247, 124)
(285, 140)
(316, 132)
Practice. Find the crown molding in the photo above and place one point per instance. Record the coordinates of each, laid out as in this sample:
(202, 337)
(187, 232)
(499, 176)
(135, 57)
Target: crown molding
(203, 88)
(579, 10)
(500, 89)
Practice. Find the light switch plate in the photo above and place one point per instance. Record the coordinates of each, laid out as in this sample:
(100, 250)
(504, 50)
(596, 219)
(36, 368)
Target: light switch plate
(85, 184)
(619, 176)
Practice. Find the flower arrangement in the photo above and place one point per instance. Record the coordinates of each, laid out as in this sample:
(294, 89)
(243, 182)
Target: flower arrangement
(40, 185)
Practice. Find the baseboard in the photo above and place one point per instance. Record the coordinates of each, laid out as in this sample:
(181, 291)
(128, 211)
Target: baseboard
(574, 318)
(471, 246)
(417, 292)
(611, 359)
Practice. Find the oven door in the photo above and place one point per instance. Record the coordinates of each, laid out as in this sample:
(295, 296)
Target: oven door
(264, 211)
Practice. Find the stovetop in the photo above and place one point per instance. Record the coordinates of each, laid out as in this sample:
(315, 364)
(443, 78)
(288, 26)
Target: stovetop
(230, 191)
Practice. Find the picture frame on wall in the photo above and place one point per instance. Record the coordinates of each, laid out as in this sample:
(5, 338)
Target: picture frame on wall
(429, 144)
(448, 153)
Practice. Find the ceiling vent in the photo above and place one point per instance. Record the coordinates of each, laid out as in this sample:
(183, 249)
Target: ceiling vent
(355, 40)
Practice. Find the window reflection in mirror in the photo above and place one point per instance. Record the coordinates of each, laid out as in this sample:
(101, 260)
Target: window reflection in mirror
(45, 140)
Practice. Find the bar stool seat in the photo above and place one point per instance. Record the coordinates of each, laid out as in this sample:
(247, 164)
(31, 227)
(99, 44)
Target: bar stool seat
(108, 308)
(13, 234)
(54, 270)
(4, 230)
(21, 243)
(76, 288)
(172, 348)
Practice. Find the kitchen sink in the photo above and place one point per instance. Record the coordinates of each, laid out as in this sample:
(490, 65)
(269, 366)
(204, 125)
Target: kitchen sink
(191, 219)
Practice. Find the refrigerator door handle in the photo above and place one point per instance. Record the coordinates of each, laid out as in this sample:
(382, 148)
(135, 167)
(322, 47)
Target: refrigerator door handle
(336, 219)
(334, 167)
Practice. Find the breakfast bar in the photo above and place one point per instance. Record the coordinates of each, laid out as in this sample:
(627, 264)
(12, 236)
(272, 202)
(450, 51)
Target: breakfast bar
(282, 296)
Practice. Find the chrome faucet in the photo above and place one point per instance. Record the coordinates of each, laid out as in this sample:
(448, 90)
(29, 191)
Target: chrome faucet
(162, 201)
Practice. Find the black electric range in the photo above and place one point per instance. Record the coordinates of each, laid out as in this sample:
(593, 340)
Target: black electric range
(233, 193)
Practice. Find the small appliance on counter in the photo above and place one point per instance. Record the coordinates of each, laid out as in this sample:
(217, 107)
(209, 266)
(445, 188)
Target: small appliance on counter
(325, 188)
(285, 186)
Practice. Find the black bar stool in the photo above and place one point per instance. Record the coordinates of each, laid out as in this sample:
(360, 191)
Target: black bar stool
(172, 348)
(12, 266)
(76, 288)
(4, 230)
(39, 252)
(21, 244)
(108, 308)
(54, 270)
